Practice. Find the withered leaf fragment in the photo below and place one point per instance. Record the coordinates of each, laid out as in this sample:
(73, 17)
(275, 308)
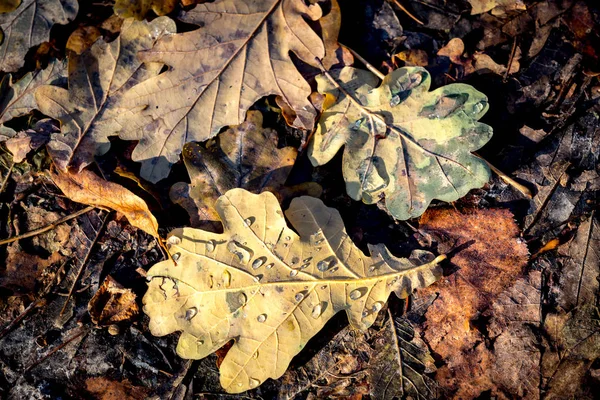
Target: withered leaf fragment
(112, 303)
(268, 287)
(88, 188)
(29, 25)
(580, 267)
(402, 141)
(97, 78)
(139, 8)
(400, 363)
(240, 54)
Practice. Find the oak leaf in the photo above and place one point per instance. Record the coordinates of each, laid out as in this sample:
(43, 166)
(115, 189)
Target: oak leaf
(240, 54)
(139, 8)
(97, 78)
(268, 287)
(28, 26)
(88, 188)
(245, 156)
(402, 141)
(18, 98)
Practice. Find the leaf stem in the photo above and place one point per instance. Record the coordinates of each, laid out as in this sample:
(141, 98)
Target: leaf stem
(510, 181)
(369, 66)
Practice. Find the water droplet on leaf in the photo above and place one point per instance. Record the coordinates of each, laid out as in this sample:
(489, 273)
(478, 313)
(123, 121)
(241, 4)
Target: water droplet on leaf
(299, 296)
(317, 311)
(293, 272)
(226, 278)
(176, 256)
(210, 246)
(174, 240)
(190, 313)
(261, 318)
(259, 262)
(357, 293)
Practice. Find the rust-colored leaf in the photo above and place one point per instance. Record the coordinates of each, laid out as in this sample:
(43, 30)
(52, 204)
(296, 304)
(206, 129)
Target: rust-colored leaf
(88, 188)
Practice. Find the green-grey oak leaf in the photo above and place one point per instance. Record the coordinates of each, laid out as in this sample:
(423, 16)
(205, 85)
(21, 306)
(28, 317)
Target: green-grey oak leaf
(268, 287)
(402, 142)
(97, 78)
(240, 53)
(29, 25)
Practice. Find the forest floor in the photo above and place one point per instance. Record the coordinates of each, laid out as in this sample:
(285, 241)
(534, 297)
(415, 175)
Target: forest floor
(515, 315)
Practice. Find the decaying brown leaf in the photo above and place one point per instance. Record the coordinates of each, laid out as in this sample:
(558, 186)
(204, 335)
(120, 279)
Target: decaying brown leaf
(269, 288)
(245, 156)
(29, 25)
(400, 363)
(103, 388)
(139, 8)
(18, 98)
(31, 139)
(112, 303)
(490, 257)
(88, 188)
(97, 78)
(478, 62)
(497, 7)
(241, 53)
(578, 284)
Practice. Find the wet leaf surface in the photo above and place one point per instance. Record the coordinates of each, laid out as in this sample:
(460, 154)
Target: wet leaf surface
(269, 287)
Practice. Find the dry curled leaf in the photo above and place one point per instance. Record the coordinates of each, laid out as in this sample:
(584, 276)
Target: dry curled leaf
(88, 188)
(139, 8)
(402, 141)
(269, 288)
(97, 78)
(28, 26)
(112, 303)
(240, 54)
(245, 156)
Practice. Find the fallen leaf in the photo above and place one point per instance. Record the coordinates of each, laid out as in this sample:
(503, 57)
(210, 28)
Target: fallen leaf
(515, 317)
(18, 98)
(578, 284)
(245, 156)
(268, 287)
(497, 7)
(575, 346)
(88, 188)
(28, 26)
(241, 53)
(23, 270)
(490, 255)
(82, 39)
(478, 62)
(338, 370)
(97, 78)
(138, 9)
(7, 6)
(400, 363)
(401, 141)
(31, 139)
(112, 303)
(106, 389)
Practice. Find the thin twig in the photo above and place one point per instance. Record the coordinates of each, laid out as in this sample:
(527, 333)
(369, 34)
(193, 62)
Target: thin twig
(57, 348)
(365, 62)
(84, 262)
(47, 227)
(19, 318)
(507, 179)
(510, 61)
(12, 165)
(400, 6)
